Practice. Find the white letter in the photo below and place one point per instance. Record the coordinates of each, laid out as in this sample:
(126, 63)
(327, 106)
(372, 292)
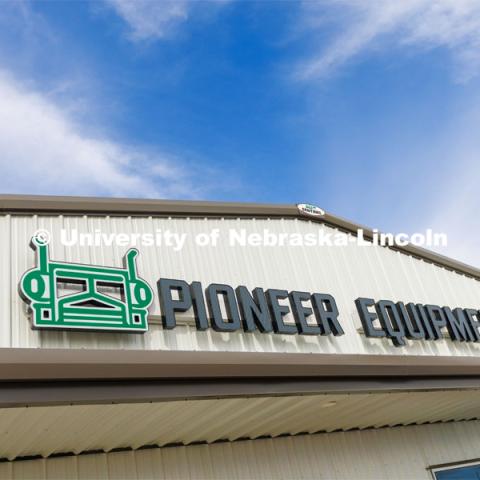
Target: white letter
(73, 239)
(123, 240)
(417, 239)
(86, 239)
(440, 240)
(215, 235)
(361, 242)
(180, 241)
(237, 237)
(401, 239)
(340, 239)
(147, 239)
(255, 240)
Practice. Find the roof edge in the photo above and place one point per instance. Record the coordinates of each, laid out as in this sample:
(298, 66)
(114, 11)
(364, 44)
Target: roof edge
(33, 364)
(51, 393)
(137, 206)
(46, 204)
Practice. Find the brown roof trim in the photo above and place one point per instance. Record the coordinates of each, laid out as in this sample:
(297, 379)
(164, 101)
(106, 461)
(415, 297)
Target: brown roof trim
(133, 206)
(40, 204)
(31, 364)
(28, 394)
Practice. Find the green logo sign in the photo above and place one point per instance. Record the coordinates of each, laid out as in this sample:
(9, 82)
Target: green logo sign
(91, 303)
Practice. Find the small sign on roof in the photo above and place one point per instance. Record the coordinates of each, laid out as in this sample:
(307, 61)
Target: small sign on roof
(311, 210)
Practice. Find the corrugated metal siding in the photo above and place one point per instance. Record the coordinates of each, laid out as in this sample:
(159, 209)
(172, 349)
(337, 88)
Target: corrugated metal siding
(78, 428)
(345, 272)
(398, 453)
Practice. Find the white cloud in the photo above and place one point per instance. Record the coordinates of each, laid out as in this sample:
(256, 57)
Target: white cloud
(451, 200)
(377, 24)
(150, 19)
(158, 19)
(43, 150)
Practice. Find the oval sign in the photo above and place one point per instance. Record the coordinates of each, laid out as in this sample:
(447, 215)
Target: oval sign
(311, 210)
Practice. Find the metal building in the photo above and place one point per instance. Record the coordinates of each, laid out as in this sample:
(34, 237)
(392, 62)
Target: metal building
(224, 347)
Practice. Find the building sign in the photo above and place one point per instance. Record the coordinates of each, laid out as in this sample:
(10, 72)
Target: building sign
(398, 321)
(91, 304)
(314, 314)
(311, 210)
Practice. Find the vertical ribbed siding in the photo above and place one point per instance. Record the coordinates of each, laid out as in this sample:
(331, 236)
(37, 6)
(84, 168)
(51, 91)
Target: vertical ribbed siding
(345, 272)
(399, 453)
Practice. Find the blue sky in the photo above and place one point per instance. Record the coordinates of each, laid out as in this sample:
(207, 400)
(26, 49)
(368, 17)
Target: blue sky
(370, 110)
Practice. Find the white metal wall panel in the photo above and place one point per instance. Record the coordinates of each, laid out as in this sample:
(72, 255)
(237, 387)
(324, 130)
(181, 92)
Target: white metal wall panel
(51, 430)
(345, 272)
(399, 453)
